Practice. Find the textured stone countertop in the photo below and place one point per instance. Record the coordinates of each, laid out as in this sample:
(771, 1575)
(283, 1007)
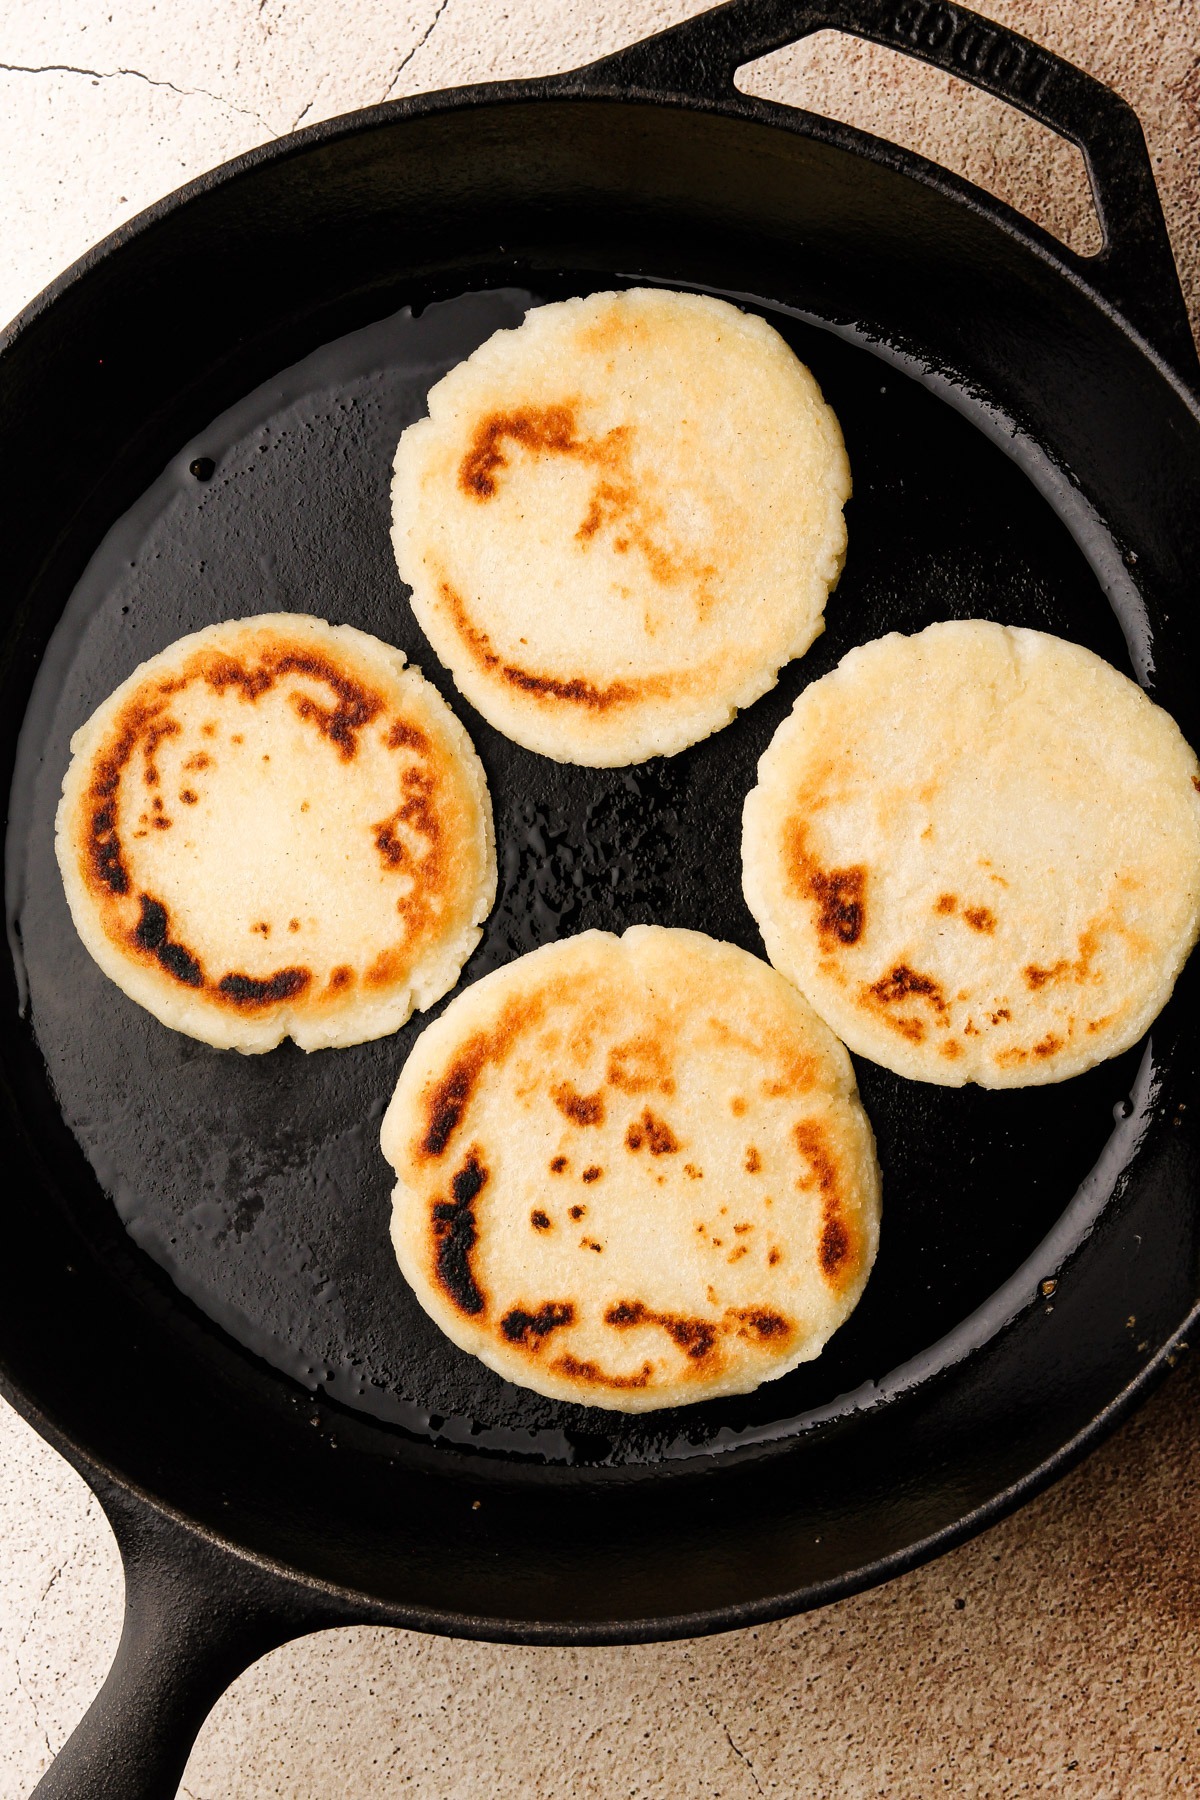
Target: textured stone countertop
(1057, 1654)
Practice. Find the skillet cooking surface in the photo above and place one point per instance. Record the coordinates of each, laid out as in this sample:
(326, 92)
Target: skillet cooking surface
(257, 1182)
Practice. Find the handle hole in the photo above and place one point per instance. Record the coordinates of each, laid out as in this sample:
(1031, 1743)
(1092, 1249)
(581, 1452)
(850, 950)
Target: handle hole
(940, 116)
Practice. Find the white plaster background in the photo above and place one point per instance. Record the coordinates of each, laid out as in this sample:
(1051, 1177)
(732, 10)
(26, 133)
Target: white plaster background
(1059, 1654)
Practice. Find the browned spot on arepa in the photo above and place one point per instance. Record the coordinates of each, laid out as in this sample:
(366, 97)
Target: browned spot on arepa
(839, 894)
(445, 1102)
(622, 501)
(581, 1109)
(654, 1133)
(577, 689)
(904, 983)
(520, 1326)
(455, 1234)
(838, 1246)
(534, 428)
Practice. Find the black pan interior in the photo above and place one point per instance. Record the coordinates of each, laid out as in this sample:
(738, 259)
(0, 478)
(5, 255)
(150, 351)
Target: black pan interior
(200, 1293)
(257, 1183)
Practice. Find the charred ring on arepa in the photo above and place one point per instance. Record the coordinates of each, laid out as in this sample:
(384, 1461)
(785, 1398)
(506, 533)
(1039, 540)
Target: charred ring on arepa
(275, 827)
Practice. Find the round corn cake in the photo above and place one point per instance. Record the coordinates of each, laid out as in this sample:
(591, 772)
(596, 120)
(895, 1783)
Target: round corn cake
(633, 1172)
(620, 520)
(977, 852)
(275, 828)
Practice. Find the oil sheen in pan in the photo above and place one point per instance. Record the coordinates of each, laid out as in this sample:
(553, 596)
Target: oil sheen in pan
(257, 1183)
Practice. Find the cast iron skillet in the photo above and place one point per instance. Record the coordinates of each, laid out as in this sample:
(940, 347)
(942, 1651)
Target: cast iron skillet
(197, 1303)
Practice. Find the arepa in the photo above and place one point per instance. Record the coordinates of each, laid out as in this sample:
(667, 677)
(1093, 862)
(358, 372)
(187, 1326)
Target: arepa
(620, 520)
(274, 827)
(633, 1172)
(977, 852)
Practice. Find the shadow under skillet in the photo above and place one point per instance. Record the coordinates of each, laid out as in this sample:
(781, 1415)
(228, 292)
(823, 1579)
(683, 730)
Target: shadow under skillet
(257, 1182)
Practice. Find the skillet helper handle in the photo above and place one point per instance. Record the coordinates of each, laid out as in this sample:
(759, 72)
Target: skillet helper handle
(1135, 271)
(196, 1616)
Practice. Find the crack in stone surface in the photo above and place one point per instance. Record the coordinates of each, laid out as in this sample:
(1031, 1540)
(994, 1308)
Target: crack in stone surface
(31, 1622)
(16, 1656)
(33, 1707)
(419, 45)
(740, 1754)
(37, 1606)
(150, 80)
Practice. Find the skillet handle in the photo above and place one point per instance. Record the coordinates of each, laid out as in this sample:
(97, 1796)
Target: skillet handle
(1135, 271)
(196, 1616)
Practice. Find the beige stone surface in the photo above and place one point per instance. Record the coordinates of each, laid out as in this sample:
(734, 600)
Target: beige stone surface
(1055, 1655)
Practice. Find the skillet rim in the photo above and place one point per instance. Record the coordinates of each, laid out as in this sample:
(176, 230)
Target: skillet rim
(335, 1605)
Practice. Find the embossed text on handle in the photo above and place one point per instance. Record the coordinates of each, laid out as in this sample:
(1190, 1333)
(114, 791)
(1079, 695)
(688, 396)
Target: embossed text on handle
(1017, 70)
